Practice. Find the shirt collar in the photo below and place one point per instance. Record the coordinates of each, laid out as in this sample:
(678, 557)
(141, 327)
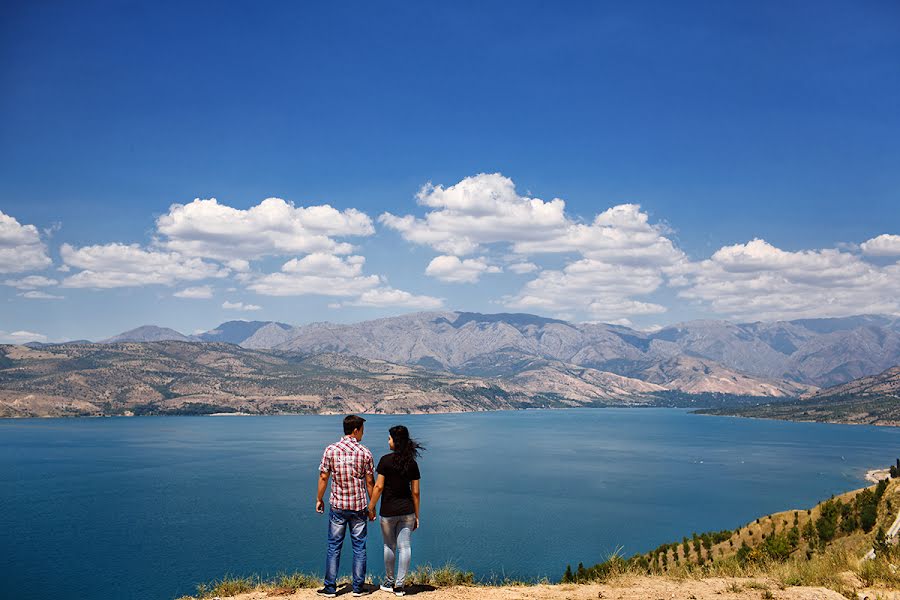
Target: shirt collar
(350, 439)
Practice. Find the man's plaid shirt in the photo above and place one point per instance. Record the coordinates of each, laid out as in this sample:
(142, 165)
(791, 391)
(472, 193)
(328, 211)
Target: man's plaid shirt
(348, 462)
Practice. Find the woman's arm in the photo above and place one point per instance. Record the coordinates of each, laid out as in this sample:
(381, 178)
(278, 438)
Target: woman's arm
(376, 494)
(414, 486)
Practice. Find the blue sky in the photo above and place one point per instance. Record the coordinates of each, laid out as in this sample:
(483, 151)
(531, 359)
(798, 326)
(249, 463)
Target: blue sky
(715, 160)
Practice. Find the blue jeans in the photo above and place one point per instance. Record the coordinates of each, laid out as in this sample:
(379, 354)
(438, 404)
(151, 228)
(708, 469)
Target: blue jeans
(338, 520)
(396, 532)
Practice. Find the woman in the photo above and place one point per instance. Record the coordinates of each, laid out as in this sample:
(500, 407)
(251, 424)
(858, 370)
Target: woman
(398, 481)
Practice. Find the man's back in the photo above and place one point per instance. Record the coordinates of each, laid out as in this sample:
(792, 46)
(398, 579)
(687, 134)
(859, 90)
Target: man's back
(349, 463)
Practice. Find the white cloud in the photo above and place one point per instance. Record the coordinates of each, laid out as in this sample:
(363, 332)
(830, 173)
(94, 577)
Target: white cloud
(478, 210)
(759, 281)
(601, 290)
(38, 295)
(240, 306)
(384, 297)
(197, 293)
(21, 337)
(31, 282)
(885, 244)
(619, 235)
(21, 248)
(523, 267)
(486, 209)
(120, 265)
(317, 274)
(453, 270)
(274, 227)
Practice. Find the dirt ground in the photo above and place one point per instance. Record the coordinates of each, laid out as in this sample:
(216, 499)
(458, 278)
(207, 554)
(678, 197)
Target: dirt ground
(634, 588)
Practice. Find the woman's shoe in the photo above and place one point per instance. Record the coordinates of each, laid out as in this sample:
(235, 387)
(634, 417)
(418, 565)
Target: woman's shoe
(387, 588)
(399, 591)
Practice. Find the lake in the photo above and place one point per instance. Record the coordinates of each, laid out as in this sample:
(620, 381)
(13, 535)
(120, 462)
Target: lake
(146, 508)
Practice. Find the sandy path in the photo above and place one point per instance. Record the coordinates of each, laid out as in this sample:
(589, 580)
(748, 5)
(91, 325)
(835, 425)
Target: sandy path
(644, 588)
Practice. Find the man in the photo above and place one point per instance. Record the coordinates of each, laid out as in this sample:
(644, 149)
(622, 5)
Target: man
(351, 467)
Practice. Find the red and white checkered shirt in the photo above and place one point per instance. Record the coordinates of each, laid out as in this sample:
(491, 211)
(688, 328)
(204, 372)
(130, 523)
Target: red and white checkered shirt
(348, 462)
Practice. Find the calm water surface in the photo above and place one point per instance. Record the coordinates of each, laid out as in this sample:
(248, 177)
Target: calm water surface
(146, 508)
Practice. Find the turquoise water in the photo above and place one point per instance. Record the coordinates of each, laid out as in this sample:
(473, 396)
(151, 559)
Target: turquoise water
(147, 507)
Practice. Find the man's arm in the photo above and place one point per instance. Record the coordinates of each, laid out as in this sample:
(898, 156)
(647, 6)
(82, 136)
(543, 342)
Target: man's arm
(370, 483)
(320, 492)
(375, 494)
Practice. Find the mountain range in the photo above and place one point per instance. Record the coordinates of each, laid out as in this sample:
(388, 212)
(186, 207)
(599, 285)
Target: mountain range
(793, 356)
(529, 360)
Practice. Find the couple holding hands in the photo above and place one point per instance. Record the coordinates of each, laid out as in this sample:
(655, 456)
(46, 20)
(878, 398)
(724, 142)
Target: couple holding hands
(354, 496)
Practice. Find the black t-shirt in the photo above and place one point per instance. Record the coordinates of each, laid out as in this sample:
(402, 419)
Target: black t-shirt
(396, 499)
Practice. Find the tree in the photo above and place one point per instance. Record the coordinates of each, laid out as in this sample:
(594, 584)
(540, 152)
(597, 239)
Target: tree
(880, 546)
(867, 509)
(567, 576)
(826, 524)
(880, 489)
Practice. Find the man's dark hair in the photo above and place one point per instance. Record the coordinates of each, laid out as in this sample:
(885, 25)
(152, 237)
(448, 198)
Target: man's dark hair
(352, 423)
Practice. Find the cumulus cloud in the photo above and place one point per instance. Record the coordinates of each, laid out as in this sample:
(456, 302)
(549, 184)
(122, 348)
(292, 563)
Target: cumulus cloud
(390, 297)
(274, 227)
(453, 270)
(120, 265)
(39, 295)
(21, 337)
(522, 268)
(620, 235)
(21, 248)
(195, 293)
(884, 245)
(317, 274)
(601, 290)
(240, 306)
(757, 280)
(478, 210)
(31, 282)
(486, 209)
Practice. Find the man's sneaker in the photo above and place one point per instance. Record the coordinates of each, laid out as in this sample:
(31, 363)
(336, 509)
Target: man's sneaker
(326, 592)
(387, 588)
(399, 591)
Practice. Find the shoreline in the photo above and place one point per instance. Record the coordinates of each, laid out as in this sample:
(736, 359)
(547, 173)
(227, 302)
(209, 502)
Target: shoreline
(876, 475)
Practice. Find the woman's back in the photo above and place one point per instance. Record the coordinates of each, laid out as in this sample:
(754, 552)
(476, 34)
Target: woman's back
(397, 498)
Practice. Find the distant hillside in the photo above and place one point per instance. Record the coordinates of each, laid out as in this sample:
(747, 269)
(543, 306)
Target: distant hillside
(236, 332)
(149, 333)
(871, 400)
(812, 352)
(783, 359)
(174, 377)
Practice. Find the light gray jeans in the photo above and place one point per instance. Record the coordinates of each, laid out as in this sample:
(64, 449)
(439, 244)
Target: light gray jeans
(396, 532)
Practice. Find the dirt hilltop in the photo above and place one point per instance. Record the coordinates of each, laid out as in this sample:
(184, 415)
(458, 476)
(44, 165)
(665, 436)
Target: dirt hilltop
(626, 588)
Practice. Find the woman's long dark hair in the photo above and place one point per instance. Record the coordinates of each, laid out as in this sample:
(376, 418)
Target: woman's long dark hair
(406, 449)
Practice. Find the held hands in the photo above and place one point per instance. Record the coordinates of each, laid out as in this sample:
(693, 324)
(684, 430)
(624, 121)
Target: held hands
(320, 506)
(371, 513)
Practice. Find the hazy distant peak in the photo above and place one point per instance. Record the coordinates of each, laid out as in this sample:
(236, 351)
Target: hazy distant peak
(149, 333)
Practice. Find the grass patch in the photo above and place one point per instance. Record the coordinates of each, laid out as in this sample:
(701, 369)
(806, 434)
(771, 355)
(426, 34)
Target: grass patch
(446, 576)
(283, 583)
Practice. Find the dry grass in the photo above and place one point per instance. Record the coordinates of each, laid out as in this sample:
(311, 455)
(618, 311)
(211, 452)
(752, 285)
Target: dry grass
(228, 586)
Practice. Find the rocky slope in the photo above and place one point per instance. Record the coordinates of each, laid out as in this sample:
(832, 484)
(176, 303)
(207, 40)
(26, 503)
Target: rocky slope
(873, 400)
(813, 352)
(173, 377)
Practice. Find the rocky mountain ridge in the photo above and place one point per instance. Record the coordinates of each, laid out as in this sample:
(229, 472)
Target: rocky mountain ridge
(783, 358)
(177, 377)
